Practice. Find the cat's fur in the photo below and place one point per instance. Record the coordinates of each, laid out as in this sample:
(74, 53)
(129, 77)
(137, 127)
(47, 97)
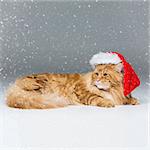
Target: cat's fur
(103, 87)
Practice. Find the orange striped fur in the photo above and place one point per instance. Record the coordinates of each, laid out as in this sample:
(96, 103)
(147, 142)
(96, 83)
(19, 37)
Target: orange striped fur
(42, 91)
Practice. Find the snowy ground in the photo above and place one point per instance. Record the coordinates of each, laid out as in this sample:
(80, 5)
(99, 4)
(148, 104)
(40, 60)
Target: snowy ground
(76, 126)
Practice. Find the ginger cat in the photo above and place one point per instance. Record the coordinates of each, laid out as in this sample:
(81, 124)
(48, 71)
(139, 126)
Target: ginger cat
(103, 87)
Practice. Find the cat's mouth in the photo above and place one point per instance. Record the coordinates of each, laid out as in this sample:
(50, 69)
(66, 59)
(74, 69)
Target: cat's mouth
(102, 89)
(102, 86)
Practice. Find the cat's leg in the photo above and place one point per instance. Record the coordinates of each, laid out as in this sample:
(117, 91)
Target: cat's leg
(29, 103)
(88, 98)
(101, 102)
(129, 100)
(19, 98)
(32, 82)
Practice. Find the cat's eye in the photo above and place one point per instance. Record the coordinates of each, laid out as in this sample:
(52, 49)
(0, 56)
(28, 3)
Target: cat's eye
(96, 73)
(105, 74)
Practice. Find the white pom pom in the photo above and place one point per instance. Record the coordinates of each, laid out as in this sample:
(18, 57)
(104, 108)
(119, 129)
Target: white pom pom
(104, 58)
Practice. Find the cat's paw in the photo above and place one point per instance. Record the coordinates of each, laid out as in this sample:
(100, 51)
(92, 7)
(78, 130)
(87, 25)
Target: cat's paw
(106, 103)
(131, 101)
(134, 101)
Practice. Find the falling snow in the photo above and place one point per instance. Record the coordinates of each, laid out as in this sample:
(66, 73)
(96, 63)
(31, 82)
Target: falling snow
(95, 44)
(89, 6)
(74, 16)
(37, 33)
(26, 25)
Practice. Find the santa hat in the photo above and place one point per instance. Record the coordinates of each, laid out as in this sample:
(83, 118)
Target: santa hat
(130, 81)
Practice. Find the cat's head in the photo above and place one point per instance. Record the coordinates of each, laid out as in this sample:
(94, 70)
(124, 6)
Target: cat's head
(106, 76)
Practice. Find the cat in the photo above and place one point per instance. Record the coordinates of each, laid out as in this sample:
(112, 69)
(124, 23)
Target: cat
(101, 87)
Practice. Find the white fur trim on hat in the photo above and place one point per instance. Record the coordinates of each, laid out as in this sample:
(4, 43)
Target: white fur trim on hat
(104, 58)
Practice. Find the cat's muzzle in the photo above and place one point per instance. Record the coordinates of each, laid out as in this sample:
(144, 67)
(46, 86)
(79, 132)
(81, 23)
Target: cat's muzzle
(102, 85)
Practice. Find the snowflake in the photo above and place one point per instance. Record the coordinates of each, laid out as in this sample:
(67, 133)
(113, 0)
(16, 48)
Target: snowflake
(89, 26)
(95, 43)
(8, 59)
(85, 36)
(89, 6)
(30, 8)
(24, 60)
(2, 23)
(14, 7)
(79, 6)
(23, 50)
(65, 56)
(5, 76)
(14, 17)
(74, 16)
(16, 24)
(63, 68)
(1, 39)
(37, 48)
(23, 34)
(1, 69)
(26, 25)
(5, 44)
(120, 31)
(148, 83)
(130, 26)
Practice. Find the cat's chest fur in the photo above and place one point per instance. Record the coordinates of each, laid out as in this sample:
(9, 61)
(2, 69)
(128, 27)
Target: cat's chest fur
(108, 95)
(115, 97)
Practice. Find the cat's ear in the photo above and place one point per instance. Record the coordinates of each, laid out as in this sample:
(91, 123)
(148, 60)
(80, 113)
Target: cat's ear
(97, 66)
(119, 67)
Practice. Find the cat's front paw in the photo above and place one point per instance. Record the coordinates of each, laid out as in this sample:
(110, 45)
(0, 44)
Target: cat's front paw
(106, 103)
(134, 101)
(131, 101)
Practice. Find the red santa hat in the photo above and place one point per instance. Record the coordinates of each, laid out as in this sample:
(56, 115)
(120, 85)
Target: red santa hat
(130, 81)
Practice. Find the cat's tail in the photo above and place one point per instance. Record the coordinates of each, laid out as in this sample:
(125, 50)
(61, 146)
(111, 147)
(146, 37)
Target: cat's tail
(19, 98)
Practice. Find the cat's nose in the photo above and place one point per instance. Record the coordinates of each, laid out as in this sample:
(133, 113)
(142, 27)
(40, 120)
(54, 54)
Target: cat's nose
(98, 80)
